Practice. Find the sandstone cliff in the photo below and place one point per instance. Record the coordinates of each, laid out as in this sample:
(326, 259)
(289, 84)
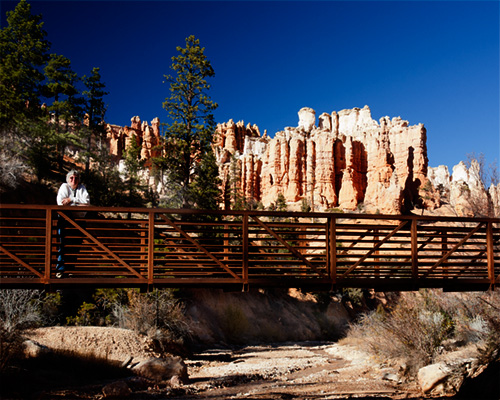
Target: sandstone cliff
(347, 160)
(343, 160)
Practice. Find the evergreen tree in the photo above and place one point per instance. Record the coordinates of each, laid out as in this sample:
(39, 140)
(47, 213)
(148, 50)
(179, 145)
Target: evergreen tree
(23, 53)
(61, 86)
(95, 109)
(188, 153)
(66, 107)
(134, 165)
(205, 187)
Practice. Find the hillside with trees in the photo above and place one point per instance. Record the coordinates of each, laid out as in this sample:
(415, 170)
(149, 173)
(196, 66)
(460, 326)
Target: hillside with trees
(52, 120)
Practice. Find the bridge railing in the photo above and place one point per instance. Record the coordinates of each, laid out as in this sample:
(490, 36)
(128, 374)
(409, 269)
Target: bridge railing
(165, 247)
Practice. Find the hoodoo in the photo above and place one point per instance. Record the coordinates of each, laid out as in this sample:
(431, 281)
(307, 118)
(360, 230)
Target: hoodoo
(347, 160)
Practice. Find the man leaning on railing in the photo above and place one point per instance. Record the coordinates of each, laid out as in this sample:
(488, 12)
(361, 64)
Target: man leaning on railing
(71, 193)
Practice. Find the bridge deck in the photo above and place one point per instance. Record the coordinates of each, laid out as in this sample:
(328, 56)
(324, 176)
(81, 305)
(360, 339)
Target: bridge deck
(135, 247)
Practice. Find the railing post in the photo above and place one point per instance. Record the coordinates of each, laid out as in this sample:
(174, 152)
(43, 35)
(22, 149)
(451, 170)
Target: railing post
(490, 254)
(376, 268)
(444, 250)
(332, 250)
(151, 246)
(245, 249)
(48, 244)
(414, 252)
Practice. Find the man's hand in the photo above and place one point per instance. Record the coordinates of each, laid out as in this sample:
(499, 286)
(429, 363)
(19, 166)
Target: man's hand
(66, 201)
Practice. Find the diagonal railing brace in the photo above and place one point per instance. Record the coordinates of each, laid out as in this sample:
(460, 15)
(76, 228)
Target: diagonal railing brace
(101, 245)
(21, 262)
(453, 249)
(284, 243)
(199, 246)
(380, 243)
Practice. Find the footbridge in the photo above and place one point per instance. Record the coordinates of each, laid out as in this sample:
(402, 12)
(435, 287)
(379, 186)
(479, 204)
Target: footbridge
(156, 247)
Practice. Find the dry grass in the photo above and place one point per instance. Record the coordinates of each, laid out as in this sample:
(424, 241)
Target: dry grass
(19, 310)
(417, 327)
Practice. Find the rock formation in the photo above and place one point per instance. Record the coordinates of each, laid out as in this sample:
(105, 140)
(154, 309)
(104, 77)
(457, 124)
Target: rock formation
(464, 190)
(148, 137)
(343, 160)
(347, 161)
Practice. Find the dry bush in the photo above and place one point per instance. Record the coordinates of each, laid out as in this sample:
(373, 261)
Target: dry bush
(157, 314)
(418, 324)
(19, 310)
(12, 166)
(234, 323)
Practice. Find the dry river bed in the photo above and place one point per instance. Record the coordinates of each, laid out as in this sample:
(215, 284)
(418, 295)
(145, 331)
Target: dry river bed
(306, 370)
(292, 371)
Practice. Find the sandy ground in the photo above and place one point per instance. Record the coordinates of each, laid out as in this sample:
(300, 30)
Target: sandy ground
(302, 370)
(308, 370)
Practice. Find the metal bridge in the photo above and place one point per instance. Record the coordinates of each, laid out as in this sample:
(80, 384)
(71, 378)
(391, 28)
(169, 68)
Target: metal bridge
(144, 247)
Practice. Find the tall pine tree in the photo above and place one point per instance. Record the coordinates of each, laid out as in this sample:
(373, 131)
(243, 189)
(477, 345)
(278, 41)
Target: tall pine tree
(66, 107)
(95, 109)
(23, 53)
(189, 160)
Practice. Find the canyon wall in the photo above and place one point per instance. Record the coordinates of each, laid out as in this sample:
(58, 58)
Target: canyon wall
(340, 160)
(344, 160)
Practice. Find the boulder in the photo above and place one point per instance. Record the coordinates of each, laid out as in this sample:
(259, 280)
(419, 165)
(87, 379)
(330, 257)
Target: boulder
(430, 376)
(33, 349)
(446, 377)
(117, 390)
(162, 369)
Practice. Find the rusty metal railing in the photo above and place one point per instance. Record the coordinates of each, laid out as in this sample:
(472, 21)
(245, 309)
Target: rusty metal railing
(135, 247)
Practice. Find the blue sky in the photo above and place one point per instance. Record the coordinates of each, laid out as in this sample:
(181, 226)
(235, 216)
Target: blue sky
(430, 62)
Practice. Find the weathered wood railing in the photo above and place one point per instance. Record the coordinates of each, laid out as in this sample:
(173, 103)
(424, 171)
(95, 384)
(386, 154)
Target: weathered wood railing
(163, 247)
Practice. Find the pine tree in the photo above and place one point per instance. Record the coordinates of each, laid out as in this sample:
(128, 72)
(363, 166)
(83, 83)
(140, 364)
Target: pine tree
(134, 164)
(66, 107)
(23, 53)
(95, 109)
(188, 138)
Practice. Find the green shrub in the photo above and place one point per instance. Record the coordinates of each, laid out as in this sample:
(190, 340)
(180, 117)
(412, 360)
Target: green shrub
(85, 316)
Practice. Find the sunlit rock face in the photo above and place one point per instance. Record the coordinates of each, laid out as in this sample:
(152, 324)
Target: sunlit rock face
(464, 190)
(341, 159)
(347, 161)
(146, 136)
(307, 119)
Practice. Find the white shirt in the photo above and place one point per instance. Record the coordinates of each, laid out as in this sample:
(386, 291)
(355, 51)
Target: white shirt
(77, 196)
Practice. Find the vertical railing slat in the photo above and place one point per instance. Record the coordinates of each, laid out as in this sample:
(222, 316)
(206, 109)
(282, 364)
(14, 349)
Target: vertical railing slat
(333, 250)
(490, 254)
(444, 250)
(414, 251)
(48, 243)
(245, 248)
(151, 246)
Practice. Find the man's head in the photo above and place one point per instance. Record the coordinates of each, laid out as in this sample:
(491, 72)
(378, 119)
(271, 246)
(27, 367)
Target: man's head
(73, 178)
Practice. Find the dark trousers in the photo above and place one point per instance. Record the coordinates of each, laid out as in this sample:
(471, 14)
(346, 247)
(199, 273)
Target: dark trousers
(70, 240)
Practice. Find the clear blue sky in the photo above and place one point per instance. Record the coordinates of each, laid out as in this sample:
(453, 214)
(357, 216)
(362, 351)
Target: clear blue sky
(435, 63)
